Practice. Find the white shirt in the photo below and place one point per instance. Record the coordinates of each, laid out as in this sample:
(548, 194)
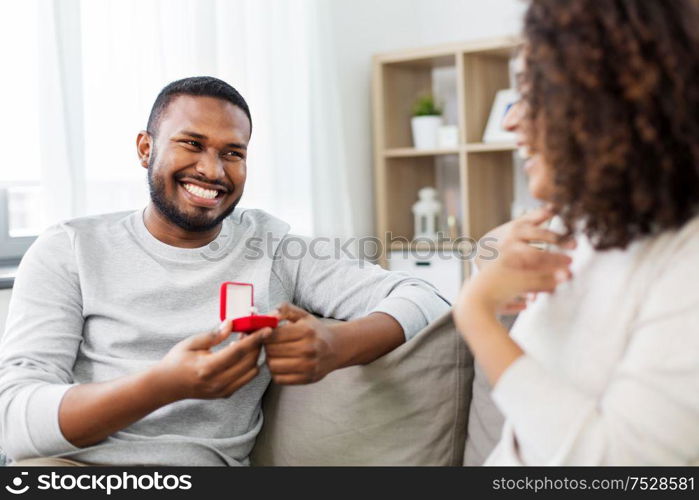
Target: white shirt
(610, 373)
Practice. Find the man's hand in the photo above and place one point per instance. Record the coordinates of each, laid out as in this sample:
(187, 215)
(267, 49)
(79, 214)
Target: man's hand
(191, 370)
(299, 351)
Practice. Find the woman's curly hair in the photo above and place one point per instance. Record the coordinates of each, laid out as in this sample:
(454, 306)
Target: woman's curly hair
(612, 93)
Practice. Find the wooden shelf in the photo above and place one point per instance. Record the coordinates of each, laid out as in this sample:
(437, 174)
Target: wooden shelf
(465, 246)
(474, 147)
(498, 46)
(475, 179)
(480, 147)
(397, 245)
(412, 152)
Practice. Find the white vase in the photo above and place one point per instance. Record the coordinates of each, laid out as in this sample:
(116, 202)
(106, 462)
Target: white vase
(425, 130)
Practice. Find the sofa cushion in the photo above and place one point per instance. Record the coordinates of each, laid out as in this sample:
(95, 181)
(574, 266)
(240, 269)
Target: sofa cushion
(485, 421)
(409, 407)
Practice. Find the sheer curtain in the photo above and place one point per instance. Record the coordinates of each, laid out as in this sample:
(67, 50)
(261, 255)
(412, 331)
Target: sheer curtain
(20, 174)
(103, 63)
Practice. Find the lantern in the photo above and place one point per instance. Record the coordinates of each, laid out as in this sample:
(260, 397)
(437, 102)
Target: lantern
(426, 212)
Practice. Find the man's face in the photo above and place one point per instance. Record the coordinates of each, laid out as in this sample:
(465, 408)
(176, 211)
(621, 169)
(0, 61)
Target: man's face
(197, 162)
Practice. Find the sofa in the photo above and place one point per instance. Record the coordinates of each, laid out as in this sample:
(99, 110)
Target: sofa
(425, 403)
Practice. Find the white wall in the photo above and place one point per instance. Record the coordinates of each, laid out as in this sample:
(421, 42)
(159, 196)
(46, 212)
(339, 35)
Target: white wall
(443, 21)
(361, 28)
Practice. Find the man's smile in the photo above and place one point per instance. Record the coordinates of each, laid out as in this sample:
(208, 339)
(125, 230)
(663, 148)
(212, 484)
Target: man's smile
(200, 196)
(204, 193)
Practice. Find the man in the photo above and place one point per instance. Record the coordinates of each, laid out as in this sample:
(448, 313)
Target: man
(103, 361)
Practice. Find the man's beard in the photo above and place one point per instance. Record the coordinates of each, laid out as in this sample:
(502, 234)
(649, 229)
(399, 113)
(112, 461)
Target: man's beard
(197, 223)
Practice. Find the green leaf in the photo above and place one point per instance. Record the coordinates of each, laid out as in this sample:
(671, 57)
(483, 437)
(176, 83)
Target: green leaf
(426, 106)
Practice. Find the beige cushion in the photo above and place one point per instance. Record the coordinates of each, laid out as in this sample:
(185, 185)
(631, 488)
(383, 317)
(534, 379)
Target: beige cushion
(409, 407)
(485, 421)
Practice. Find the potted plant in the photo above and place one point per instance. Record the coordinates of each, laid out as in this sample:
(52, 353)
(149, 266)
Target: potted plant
(426, 120)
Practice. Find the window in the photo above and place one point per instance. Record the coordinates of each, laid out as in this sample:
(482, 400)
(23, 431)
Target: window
(21, 215)
(83, 75)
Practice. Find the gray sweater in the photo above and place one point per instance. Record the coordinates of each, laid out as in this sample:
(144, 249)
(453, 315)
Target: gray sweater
(99, 297)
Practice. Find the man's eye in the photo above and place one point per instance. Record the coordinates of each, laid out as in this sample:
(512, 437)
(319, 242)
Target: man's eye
(233, 154)
(195, 144)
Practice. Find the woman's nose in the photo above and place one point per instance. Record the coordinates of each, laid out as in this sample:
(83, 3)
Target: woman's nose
(512, 117)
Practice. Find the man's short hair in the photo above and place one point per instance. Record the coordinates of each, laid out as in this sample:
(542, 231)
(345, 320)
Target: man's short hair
(205, 86)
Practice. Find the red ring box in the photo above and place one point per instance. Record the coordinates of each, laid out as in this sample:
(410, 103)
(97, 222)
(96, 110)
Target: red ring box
(238, 305)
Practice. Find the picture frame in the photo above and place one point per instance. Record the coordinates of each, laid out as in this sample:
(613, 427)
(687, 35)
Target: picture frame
(494, 130)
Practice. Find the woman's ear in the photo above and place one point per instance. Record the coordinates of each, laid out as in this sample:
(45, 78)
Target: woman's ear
(144, 146)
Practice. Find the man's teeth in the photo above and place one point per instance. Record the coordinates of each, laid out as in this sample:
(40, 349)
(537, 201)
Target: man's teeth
(201, 192)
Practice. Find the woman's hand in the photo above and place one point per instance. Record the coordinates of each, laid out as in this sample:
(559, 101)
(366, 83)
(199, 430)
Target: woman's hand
(499, 284)
(518, 269)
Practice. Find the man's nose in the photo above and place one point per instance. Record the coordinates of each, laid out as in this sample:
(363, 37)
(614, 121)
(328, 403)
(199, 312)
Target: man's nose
(512, 117)
(210, 165)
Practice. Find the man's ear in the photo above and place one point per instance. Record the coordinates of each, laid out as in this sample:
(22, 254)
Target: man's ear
(144, 146)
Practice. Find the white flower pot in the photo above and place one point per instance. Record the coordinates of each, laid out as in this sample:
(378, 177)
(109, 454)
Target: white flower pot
(425, 131)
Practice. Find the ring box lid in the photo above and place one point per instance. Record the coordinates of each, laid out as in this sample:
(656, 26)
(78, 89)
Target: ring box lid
(237, 300)
(238, 306)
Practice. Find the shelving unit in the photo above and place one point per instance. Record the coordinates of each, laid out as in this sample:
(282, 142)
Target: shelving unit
(479, 187)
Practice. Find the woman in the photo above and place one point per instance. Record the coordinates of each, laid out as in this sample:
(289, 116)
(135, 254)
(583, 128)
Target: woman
(603, 366)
